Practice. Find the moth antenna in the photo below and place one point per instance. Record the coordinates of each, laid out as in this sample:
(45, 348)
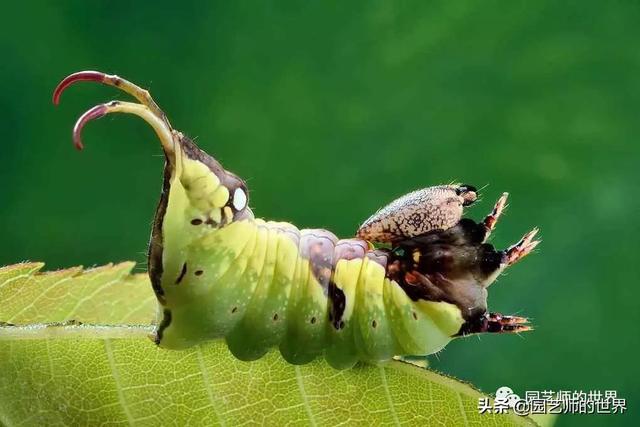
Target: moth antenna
(161, 127)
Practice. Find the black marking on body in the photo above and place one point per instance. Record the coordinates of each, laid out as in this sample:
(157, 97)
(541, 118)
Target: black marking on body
(164, 324)
(182, 273)
(347, 249)
(337, 304)
(156, 245)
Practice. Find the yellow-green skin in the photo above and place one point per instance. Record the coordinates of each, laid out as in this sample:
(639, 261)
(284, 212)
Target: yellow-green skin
(219, 273)
(256, 283)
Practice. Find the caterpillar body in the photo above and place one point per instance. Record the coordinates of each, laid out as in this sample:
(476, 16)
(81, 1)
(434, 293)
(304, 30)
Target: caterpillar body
(220, 273)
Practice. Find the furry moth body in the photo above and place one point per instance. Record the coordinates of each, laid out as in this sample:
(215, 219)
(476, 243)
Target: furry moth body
(220, 273)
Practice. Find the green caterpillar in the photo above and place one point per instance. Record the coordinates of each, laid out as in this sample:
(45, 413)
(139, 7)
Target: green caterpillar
(220, 273)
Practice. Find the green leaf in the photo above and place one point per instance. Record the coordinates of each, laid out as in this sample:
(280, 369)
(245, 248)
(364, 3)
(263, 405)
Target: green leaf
(89, 374)
(107, 294)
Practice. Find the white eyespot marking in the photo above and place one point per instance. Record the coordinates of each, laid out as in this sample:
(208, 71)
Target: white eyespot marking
(239, 199)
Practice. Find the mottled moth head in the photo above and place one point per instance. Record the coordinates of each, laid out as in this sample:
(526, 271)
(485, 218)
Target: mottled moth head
(469, 194)
(416, 213)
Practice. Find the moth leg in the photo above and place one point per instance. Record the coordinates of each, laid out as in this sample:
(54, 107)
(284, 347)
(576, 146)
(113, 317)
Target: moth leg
(495, 323)
(132, 89)
(162, 128)
(521, 249)
(491, 220)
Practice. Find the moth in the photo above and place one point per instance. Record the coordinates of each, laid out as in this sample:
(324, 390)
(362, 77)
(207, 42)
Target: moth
(414, 276)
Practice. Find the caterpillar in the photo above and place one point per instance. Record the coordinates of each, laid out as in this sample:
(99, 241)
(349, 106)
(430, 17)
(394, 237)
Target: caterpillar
(414, 276)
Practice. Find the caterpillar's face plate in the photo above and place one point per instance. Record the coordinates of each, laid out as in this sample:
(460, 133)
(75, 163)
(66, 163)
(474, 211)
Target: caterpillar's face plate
(198, 196)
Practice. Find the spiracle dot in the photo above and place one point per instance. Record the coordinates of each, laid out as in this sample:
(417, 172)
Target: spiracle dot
(275, 317)
(374, 324)
(234, 309)
(415, 315)
(313, 320)
(198, 272)
(196, 221)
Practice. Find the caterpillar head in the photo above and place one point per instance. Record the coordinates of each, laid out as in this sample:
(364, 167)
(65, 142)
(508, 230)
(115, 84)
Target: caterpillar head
(197, 191)
(416, 213)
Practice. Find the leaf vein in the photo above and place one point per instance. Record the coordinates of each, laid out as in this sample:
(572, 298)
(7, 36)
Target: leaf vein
(385, 385)
(207, 384)
(303, 393)
(464, 414)
(116, 380)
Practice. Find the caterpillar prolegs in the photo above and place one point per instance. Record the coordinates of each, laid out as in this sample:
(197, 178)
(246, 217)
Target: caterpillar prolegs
(220, 273)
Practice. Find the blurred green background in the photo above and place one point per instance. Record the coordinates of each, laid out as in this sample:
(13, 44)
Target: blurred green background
(332, 109)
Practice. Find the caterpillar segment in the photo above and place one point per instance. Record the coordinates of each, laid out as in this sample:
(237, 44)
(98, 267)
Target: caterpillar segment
(220, 273)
